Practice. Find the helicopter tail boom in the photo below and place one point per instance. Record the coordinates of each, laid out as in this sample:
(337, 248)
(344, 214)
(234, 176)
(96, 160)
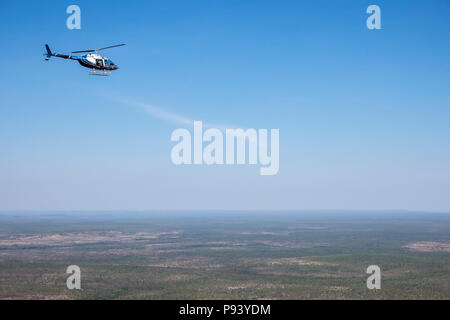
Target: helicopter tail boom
(57, 55)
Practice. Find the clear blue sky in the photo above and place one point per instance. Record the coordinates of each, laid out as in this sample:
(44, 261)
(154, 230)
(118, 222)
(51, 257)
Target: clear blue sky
(363, 115)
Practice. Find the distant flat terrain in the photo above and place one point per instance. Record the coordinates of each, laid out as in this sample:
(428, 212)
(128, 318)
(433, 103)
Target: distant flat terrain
(224, 255)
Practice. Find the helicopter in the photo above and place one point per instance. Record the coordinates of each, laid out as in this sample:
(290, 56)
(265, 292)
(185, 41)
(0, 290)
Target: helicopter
(100, 66)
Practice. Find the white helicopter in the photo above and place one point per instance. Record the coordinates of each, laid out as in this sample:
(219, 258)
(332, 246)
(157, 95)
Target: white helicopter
(100, 66)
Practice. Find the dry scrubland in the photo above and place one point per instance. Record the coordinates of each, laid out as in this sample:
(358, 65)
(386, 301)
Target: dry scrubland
(247, 255)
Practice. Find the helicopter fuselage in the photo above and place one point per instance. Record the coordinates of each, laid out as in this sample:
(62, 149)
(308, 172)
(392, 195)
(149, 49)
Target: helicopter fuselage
(96, 61)
(91, 60)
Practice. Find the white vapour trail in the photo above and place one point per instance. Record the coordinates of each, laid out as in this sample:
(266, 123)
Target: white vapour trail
(171, 117)
(160, 113)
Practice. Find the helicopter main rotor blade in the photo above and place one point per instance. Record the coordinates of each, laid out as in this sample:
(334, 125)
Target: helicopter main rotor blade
(83, 51)
(117, 45)
(97, 50)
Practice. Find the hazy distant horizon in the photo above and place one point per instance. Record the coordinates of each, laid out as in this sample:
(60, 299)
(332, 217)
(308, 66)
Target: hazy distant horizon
(225, 211)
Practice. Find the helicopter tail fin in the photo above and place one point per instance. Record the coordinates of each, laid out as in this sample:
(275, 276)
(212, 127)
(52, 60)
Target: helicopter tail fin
(49, 52)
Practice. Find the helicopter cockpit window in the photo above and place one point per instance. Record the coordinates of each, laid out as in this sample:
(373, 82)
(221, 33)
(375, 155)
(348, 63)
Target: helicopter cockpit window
(109, 62)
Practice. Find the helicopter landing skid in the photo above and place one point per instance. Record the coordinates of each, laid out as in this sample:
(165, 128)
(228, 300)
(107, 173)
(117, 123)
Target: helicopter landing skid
(99, 73)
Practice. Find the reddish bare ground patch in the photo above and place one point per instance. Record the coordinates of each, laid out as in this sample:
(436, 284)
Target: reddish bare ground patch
(79, 238)
(429, 246)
